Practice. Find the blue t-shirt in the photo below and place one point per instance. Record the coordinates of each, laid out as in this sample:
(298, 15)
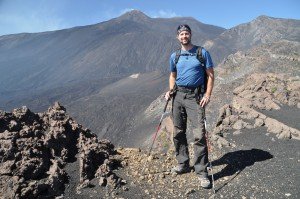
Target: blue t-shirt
(190, 73)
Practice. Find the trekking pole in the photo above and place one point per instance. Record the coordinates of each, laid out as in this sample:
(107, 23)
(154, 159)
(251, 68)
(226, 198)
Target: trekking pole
(210, 168)
(158, 127)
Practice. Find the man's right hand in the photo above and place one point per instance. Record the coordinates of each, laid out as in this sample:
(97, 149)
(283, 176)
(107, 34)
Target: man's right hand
(168, 95)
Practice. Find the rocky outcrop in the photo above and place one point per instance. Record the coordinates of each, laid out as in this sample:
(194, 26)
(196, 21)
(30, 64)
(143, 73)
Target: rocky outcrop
(261, 92)
(35, 148)
(267, 91)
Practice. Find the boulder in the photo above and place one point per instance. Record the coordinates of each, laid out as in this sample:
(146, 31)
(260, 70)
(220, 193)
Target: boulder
(259, 122)
(239, 124)
(239, 102)
(273, 126)
(270, 104)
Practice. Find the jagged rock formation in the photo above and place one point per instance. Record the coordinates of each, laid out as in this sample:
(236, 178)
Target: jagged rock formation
(261, 92)
(34, 149)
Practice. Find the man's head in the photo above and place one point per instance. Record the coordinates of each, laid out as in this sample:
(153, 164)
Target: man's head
(184, 34)
(183, 27)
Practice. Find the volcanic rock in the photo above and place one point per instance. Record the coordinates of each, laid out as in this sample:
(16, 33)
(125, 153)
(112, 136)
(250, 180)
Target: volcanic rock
(35, 148)
(261, 92)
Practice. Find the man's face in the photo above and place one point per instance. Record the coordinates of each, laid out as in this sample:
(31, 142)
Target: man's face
(184, 37)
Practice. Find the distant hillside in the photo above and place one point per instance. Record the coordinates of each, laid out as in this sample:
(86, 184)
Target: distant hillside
(262, 30)
(131, 43)
(278, 57)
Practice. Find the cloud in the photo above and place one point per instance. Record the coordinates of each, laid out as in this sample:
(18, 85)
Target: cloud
(163, 14)
(126, 10)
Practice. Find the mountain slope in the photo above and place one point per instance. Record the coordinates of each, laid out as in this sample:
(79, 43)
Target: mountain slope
(112, 112)
(131, 43)
(278, 57)
(262, 30)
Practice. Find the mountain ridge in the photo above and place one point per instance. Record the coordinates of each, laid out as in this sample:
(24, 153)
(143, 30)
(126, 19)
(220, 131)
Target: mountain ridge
(263, 29)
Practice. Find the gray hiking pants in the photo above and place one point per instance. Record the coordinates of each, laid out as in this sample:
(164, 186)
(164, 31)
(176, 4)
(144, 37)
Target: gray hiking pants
(186, 107)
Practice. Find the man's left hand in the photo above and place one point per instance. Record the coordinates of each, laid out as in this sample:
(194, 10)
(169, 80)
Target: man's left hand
(204, 101)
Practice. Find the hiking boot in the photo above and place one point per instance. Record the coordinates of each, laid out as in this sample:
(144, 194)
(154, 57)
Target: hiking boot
(179, 169)
(204, 182)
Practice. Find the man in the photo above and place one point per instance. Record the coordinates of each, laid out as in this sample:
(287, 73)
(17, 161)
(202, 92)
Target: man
(189, 78)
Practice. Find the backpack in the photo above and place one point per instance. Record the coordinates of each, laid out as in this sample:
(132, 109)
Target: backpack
(201, 60)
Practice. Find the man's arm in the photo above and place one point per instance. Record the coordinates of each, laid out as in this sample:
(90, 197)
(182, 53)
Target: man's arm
(172, 80)
(209, 87)
(210, 82)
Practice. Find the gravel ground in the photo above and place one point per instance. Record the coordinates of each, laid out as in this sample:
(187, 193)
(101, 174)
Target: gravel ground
(288, 115)
(258, 165)
(269, 168)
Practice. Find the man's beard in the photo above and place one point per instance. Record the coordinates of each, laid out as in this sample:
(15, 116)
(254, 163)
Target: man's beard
(185, 43)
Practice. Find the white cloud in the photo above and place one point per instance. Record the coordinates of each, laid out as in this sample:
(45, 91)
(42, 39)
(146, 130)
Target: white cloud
(126, 10)
(163, 14)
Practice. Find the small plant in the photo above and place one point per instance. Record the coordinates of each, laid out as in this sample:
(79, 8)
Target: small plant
(274, 89)
(164, 140)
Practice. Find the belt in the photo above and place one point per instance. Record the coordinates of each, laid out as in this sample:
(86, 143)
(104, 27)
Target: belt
(186, 89)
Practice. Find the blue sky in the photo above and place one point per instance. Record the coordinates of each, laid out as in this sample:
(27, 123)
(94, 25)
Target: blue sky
(43, 15)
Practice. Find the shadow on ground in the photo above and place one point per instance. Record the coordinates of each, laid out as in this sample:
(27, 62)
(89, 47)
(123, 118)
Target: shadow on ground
(238, 160)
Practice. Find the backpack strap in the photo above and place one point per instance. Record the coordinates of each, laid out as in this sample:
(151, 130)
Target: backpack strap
(202, 61)
(177, 55)
(200, 56)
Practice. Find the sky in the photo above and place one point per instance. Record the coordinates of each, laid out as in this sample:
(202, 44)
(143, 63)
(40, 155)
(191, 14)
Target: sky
(17, 16)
